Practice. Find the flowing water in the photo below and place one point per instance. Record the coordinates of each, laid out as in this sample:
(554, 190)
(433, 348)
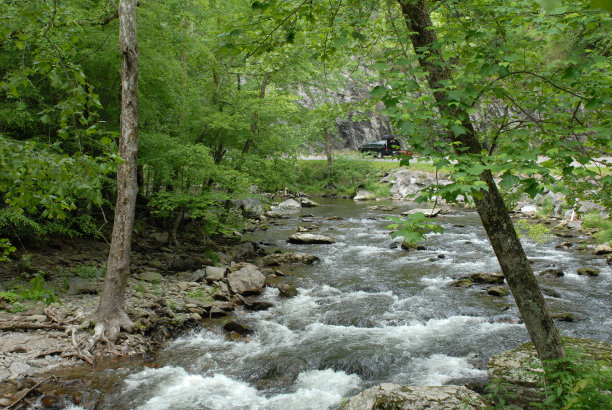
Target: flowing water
(368, 313)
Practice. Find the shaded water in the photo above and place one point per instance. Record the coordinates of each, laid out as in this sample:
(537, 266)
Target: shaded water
(366, 314)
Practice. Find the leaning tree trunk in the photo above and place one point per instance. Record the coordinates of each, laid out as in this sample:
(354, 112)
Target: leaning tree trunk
(491, 207)
(111, 316)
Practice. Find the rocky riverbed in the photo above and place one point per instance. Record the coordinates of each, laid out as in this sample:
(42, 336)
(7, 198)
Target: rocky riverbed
(172, 289)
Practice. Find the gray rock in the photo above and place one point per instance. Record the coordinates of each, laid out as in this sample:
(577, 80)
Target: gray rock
(588, 272)
(185, 262)
(521, 370)
(19, 369)
(395, 396)
(308, 203)
(3, 376)
(289, 257)
(246, 279)
(151, 276)
(242, 251)
(363, 195)
(155, 263)
(289, 204)
(462, 283)
(309, 238)
(251, 207)
(214, 273)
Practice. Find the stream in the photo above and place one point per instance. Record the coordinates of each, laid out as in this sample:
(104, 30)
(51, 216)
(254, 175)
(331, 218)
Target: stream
(368, 313)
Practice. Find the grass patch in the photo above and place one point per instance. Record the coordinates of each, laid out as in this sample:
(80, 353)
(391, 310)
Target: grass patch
(603, 227)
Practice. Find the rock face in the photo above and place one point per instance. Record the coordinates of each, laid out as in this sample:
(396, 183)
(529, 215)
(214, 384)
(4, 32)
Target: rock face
(521, 369)
(395, 396)
(407, 182)
(280, 258)
(306, 238)
(246, 279)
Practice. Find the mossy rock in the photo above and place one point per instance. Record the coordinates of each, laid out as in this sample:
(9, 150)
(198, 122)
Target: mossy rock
(588, 272)
(498, 291)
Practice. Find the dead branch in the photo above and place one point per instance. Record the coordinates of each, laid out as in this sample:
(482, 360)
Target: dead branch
(24, 393)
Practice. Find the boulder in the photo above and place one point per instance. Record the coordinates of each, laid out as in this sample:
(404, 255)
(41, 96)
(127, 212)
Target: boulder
(289, 204)
(246, 279)
(552, 273)
(195, 276)
(258, 305)
(286, 290)
(240, 328)
(214, 273)
(603, 250)
(430, 213)
(498, 291)
(564, 317)
(395, 396)
(309, 238)
(308, 203)
(151, 276)
(588, 272)
(462, 283)
(488, 278)
(521, 371)
(363, 195)
(290, 257)
(186, 262)
(250, 207)
(243, 251)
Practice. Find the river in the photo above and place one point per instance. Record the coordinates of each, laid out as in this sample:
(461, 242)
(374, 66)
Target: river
(368, 313)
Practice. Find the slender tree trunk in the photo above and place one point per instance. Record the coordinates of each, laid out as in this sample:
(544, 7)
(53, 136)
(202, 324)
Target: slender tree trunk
(328, 148)
(111, 316)
(262, 94)
(491, 207)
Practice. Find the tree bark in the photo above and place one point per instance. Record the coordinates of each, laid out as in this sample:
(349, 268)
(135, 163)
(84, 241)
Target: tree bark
(490, 206)
(111, 316)
(328, 148)
(262, 94)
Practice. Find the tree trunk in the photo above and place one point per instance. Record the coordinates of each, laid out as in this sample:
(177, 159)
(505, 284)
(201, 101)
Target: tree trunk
(262, 94)
(328, 148)
(111, 316)
(491, 207)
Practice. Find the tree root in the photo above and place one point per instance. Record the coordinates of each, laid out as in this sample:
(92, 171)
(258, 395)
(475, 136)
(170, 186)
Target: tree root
(24, 393)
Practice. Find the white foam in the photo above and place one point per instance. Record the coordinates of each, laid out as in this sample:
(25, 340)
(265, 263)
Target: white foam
(174, 388)
(439, 369)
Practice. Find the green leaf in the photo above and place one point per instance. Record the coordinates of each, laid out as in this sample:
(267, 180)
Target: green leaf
(602, 4)
(378, 92)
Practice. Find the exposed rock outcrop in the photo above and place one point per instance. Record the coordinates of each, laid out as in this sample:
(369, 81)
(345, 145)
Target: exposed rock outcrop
(395, 396)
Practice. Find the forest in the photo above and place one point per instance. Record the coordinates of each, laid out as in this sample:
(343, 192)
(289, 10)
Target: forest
(122, 120)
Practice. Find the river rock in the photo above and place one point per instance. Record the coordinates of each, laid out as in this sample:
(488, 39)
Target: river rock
(498, 291)
(214, 273)
(363, 195)
(258, 305)
(564, 317)
(488, 278)
(19, 370)
(246, 279)
(588, 272)
(462, 283)
(185, 262)
(289, 204)
(552, 273)
(521, 370)
(603, 250)
(286, 290)
(290, 257)
(151, 276)
(308, 203)
(309, 238)
(429, 213)
(395, 396)
(240, 328)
